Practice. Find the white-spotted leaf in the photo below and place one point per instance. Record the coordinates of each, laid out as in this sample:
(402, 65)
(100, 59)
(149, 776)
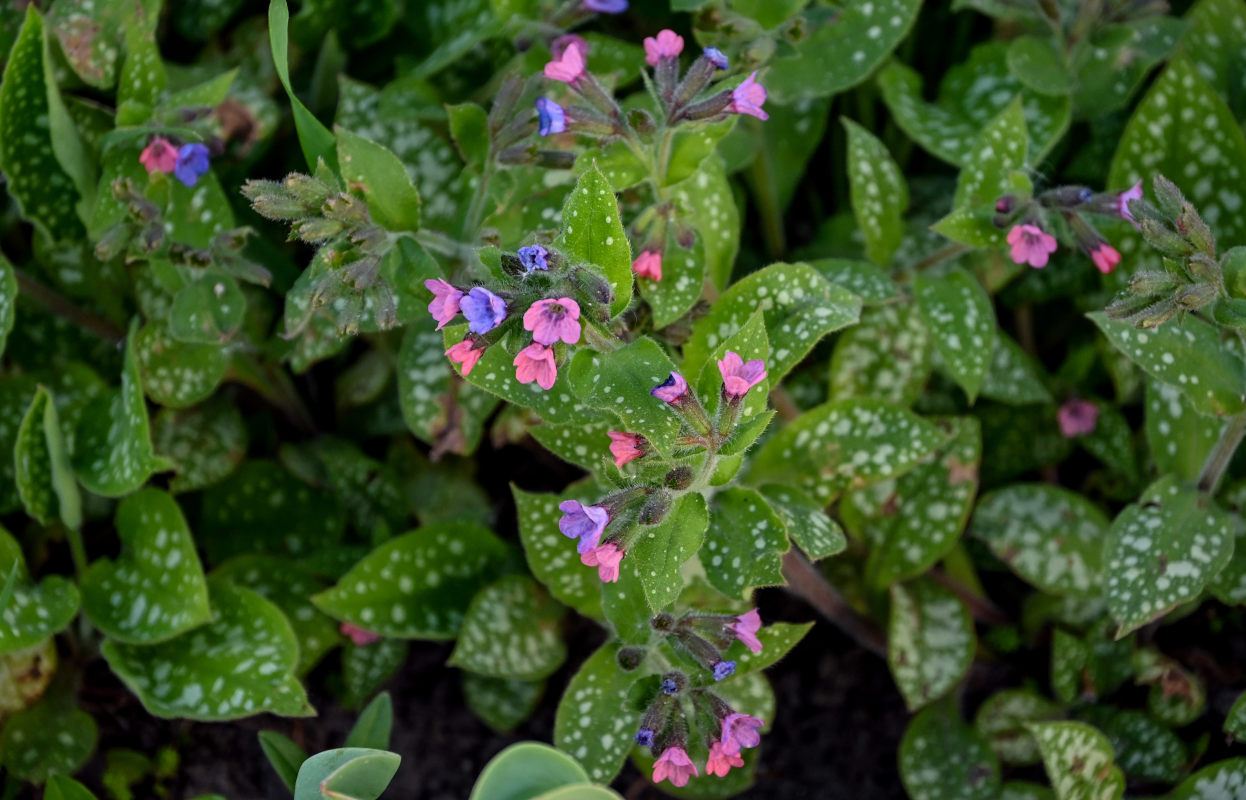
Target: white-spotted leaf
(659, 551)
(930, 641)
(34, 611)
(745, 544)
(808, 524)
(1079, 761)
(1180, 438)
(593, 234)
(512, 630)
(205, 444)
(943, 758)
(1002, 720)
(591, 724)
(1224, 780)
(552, 557)
(879, 194)
(961, 320)
(501, 703)
(887, 356)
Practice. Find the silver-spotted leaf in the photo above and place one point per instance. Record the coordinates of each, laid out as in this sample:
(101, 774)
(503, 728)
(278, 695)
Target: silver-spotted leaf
(961, 320)
(593, 233)
(512, 629)
(745, 543)
(879, 194)
(1079, 761)
(659, 551)
(34, 611)
(552, 557)
(943, 758)
(591, 724)
(930, 641)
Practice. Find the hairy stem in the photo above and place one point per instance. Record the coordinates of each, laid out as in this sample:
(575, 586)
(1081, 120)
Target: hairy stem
(62, 307)
(1222, 453)
(980, 606)
(809, 584)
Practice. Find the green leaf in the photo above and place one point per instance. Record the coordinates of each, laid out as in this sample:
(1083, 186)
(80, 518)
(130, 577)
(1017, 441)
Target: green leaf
(61, 788)
(42, 188)
(777, 641)
(1079, 761)
(316, 140)
(469, 125)
(750, 342)
(593, 233)
(209, 310)
(284, 755)
(177, 374)
(1117, 59)
(942, 758)
(1020, 790)
(155, 589)
(930, 641)
(582, 443)
(1051, 537)
(8, 294)
(526, 770)
(995, 162)
(844, 50)
(799, 305)
(238, 665)
(1039, 64)
(501, 703)
(1216, 39)
(426, 391)
(879, 193)
(1145, 749)
(511, 630)
(866, 280)
(142, 79)
(887, 356)
(205, 444)
(1013, 377)
(45, 480)
(808, 525)
(1235, 720)
(1162, 551)
(713, 213)
(591, 724)
(659, 551)
(683, 278)
(365, 668)
(49, 738)
(552, 557)
(392, 199)
(1220, 781)
(745, 544)
(1002, 720)
(1188, 355)
(418, 585)
(845, 444)
(112, 453)
(626, 609)
(349, 773)
(373, 726)
(689, 148)
(620, 381)
(961, 319)
(1180, 438)
(33, 611)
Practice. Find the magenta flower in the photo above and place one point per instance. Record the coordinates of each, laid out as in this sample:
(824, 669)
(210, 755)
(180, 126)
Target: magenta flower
(606, 558)
(745, 629)
(536, 363)
(1077, 417)
(720, 762)
(648, 265)
(671, 390)
(466, 354)
(484, 310)
(551, 320)
(675, 766)
(626, 447)
(582, 522)
(748, 97)
(569, 67)
(1031, 245)
(740, 730)
(445, 305)
(738, 376)
(159, 156)
(560, 45)
(358, 635)
(667, 44)
(606, 6)
(1105, 256)
(1122, 203)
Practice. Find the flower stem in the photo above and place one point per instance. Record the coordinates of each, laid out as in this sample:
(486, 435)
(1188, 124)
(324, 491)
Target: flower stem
(1222, 453)
(66, 309)
(808, 583)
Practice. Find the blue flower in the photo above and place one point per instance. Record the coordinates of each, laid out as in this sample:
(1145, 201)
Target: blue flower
(644, 737)
(192, 161)
(551, 117)
(669, 687)
(606, 6)
(723, 669)
(717, 57)
(534, 257)
(484, 310)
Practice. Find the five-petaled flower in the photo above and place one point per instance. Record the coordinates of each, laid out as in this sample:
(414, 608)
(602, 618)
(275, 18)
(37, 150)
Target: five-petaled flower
(1105, 256)
(484, 310)
(672, 389)
(536, 363)
(159, 156)
(1077, 417)
(723, 670)
(606, 558)
(667, 44)
(721, 762)
(551, 118)
(582, 522)
(740, 730)
(1031, 245)
(551, 320)
(745, 629)
(644, 737)
(358, 636)
(466, 353)
(626, 447)
(1122, 203)
(569, 68)
(192, 161)
(675, 766)
(748, 97)
(716, 57)
(445, 305)
(740, 376)
(648, 265)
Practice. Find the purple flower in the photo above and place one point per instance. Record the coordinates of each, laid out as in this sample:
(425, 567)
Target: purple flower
(551, 118)
(192, 161)
(748, 97)
(644, 737)
(484, 310)
(669, 687)
(1122, 203)
(534, 257)
(745, 629)
(582, 522)
(740, 730)
(723, 669)
(606, 6)
(445, 305)
(671, 389)
(717, 57)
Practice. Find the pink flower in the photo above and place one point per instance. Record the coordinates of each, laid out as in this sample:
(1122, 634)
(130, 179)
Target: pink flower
(720, 763)
(671, 390)
(746, 628)
(740, 730)
(1030, 245)
(560, 45)
(445, 305)
(159, 156)
(748, 97)
(668, 44)
(536, 363)
(738, 376)
(1077, 417)
(1105, 256)
(359, 636)
(606, 558)
(1122, 203)
(466, 353)
(551, 320)
(626, 447)
(648, 265)
(569, 67)
(675, 766)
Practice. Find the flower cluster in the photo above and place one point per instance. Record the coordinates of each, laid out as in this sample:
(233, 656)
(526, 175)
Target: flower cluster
(1030, 240)
(187, 162)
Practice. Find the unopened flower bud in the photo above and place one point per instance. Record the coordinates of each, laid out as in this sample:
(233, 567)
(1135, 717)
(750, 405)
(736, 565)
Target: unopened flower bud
(1196, 296)
(707, 109)
(555, 159)
(655, 508)
(641, 121)
(1147, 282)
(678, 478)
(1192, 225)
(695, 79)
(518, 155)
(1164, 239)
(629, 658)
(307, 189)
(316, 229)
(114, 242)
(270, 199)
(592, 285)
(1205, 269)
(674, 682)
(505, 101)
(1169, 196)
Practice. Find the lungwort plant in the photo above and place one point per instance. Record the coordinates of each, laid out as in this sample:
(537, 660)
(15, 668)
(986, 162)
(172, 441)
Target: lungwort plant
(737, 306)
